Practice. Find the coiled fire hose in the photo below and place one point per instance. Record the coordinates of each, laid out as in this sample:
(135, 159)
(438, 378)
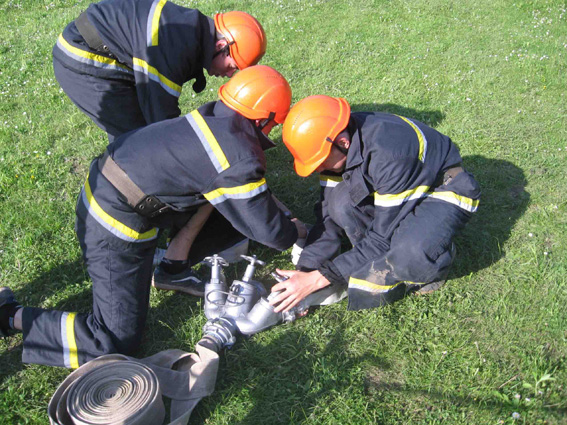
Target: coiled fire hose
(116, 389)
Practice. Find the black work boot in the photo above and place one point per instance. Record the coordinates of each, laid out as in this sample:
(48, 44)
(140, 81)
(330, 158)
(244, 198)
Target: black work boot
(8, 307)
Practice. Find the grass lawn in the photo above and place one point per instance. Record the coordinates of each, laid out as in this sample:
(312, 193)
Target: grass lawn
(489, 348)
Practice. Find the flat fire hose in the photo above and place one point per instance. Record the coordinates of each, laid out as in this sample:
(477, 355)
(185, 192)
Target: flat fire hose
(116, 389)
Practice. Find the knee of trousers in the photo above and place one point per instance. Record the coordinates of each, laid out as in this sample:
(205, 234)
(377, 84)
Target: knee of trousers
(339, 206)
(417, 261)
(106, 340)
(128, 344)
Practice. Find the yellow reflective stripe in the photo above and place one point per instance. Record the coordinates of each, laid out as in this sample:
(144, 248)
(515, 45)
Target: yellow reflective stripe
(463, 202)
(90, 56)
(211, 140)
(71, 343)
(420, 137)
(329, 181)
(155, 22)
(374, 287)
(395, 199)
(142, 66)
(112, 222)
(228, 191)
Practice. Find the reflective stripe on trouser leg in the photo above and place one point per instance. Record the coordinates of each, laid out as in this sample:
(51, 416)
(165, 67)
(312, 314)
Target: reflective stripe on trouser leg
(121, 275)
(49, 338)
(374, 285)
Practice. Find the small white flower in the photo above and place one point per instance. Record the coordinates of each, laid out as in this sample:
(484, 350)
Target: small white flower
(545, 253)
(48, 152)
(531, 235)
(516, 415)
(517, 396)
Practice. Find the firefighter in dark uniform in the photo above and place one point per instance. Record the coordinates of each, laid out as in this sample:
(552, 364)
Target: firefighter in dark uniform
(152, 179)
(123, 62)
(393, 185)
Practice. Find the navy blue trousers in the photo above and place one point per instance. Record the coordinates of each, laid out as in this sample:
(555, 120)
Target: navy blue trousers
(111, 104)
(121, 274)
(420, 248)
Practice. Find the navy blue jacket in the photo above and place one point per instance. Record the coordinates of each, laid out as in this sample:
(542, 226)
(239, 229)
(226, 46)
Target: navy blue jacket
(155, 44)
(394, 163)
(212, 154)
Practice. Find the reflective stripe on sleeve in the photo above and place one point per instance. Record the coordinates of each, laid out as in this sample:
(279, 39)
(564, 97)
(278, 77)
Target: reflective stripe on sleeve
(152, 26)
(239, 192)
(208, 140)
(153, 74)
(420, 137)
(468, 204)
(89, 58)
(70, 356)
(329, 181)
(115, 227)
(364, 285)
(396, 199)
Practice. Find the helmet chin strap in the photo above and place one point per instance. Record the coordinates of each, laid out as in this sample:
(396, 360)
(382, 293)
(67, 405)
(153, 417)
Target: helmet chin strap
(224, 49)
(263, 123)
(342, 149)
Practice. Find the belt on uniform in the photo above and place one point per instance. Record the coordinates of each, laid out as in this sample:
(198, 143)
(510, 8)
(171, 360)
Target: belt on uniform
(90, 34)
(116, 389)
(146, 205)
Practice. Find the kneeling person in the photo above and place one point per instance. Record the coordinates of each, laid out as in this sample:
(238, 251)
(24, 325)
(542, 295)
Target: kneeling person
(393, 185)
(158, 177)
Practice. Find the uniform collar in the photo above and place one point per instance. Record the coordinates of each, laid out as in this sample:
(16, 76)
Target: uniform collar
(209, 44)
(221, 110)
(354, 155)
(209, 36)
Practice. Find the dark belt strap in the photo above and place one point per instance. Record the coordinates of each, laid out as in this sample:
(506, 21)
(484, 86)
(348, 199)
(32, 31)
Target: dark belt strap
(90, 34)
(145, 205)
(451, 173)
(444, 178)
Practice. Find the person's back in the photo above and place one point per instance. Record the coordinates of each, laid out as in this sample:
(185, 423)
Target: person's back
(124, 62)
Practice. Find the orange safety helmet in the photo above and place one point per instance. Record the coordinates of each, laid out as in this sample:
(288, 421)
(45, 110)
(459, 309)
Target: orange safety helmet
(258, 92)
(311, 128)
(246, 37)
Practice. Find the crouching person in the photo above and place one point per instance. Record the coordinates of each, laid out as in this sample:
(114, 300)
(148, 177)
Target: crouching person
(163, 175)
(393, 185)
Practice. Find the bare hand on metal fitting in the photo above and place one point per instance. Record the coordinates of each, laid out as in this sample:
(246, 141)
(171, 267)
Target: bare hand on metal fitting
(296, 288)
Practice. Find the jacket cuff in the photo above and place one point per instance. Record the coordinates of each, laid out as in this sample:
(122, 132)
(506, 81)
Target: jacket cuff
(332, 274)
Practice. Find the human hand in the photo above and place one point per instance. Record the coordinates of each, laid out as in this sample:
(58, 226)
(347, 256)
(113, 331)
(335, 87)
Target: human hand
(296, 288)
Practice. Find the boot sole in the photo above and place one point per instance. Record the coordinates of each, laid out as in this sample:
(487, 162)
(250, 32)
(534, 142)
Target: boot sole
(430, 287)
(178, 288)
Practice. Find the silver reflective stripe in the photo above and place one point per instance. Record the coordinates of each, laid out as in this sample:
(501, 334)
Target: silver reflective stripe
(211, 148)
(152, 26)
(328, 182)
(116, 232)
(223, 196)
(420, 137)
(90, 58)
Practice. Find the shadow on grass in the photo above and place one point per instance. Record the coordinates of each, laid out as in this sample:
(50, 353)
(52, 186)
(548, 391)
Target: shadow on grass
(503, 201)
(284, 381)
(431, 118)
(55, 280)
(293, 379)
(159, 328)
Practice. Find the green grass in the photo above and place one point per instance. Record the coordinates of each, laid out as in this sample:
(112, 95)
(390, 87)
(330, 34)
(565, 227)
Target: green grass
(493, 341)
